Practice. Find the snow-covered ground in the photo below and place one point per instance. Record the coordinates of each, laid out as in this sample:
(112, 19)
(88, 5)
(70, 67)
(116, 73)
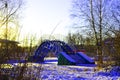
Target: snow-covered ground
(51, 71)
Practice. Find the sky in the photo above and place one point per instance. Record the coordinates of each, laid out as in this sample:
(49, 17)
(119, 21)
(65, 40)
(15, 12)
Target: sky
(46, 17)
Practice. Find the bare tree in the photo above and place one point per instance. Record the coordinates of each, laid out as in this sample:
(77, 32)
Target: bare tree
(114, 30)
(32, 44)
(77, 40)
(94, 15)
(116, 14)
(9, 11)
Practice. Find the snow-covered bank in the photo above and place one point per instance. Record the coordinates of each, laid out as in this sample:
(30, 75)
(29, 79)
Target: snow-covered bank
(55, 72)
(51, 71)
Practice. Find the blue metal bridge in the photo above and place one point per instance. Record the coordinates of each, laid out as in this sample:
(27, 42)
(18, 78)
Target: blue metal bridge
(59, 48)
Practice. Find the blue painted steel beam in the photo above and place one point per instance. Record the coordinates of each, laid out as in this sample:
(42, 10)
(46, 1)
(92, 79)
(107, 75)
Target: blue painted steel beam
(54, 46)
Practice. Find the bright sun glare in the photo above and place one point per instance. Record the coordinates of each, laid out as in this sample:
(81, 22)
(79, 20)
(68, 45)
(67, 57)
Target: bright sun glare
(42, 16)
